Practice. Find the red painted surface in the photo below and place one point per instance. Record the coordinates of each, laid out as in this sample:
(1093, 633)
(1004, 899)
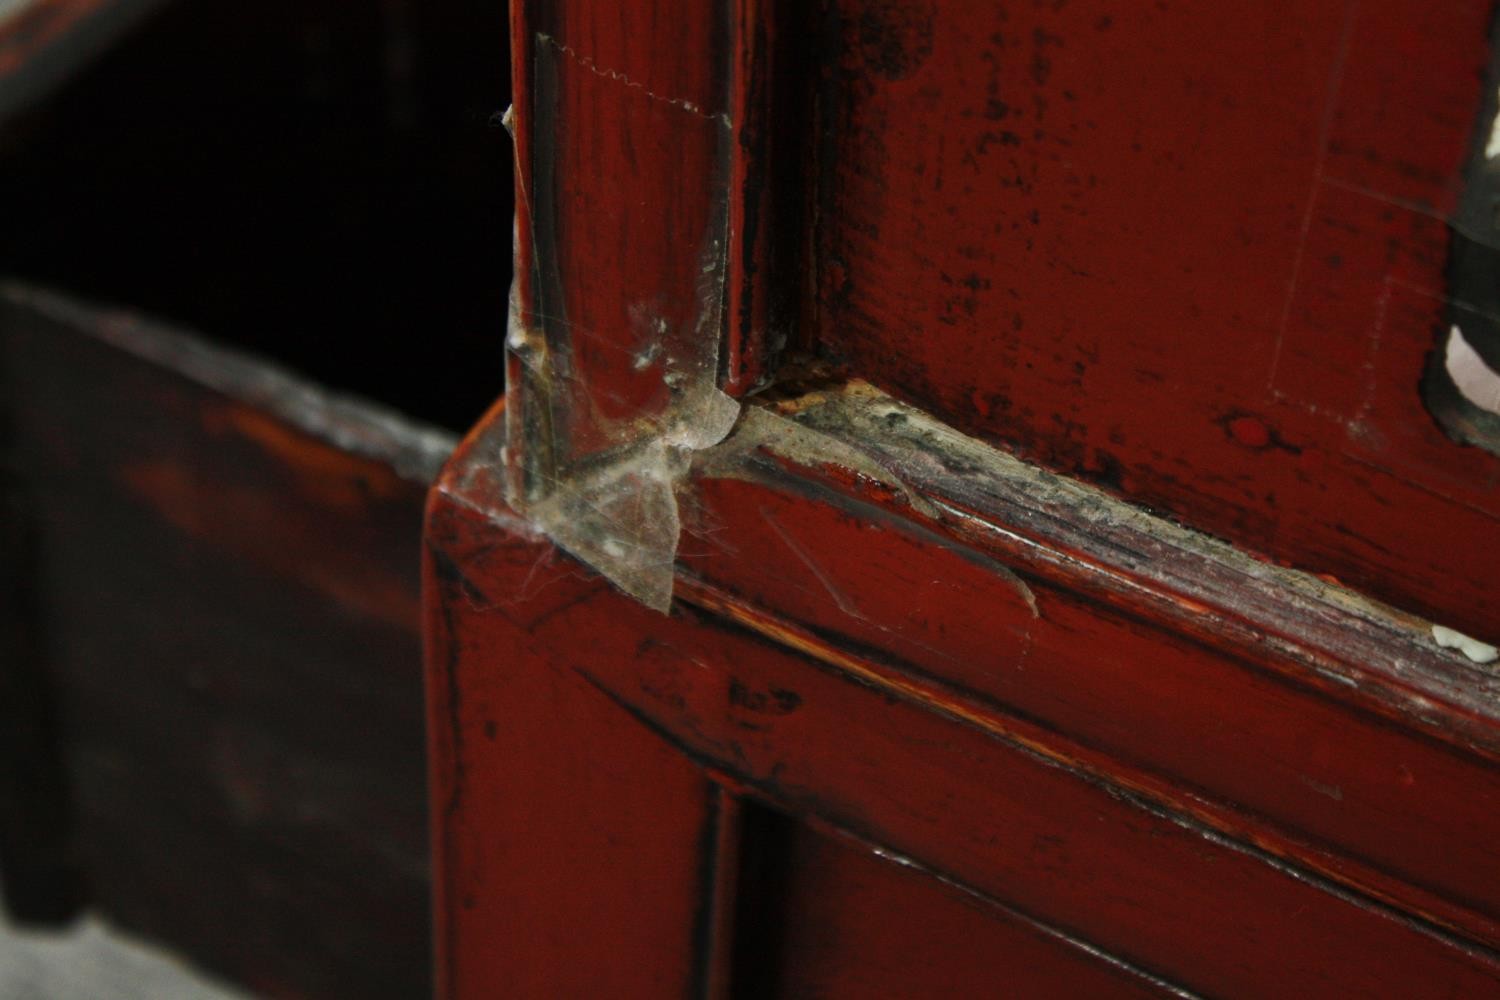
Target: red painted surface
(1193, 252)
(566, 837)
(858, 925)
(618, 105)
(1222, 734)
(850, 740)
(772, 123)
(1182, 252)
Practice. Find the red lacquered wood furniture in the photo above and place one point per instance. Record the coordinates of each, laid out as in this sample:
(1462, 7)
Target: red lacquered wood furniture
(967, 517)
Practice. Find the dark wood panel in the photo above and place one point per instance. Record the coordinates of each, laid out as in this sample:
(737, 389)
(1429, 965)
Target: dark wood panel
(227, 582)
(849, 922)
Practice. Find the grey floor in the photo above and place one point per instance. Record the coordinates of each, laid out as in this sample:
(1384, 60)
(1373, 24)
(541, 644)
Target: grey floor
(9, 7)
(93, 961)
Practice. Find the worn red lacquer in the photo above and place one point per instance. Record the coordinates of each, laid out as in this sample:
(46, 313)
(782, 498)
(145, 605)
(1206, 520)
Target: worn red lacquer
(926, 717)
(1193, 252)
(1152, 872)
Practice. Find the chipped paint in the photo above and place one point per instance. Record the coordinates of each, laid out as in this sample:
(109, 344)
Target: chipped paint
(1475, 380)
(761, 429)
(780, 431)
(1479, 652)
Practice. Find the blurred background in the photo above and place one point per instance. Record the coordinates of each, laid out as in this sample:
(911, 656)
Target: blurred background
(253, 270)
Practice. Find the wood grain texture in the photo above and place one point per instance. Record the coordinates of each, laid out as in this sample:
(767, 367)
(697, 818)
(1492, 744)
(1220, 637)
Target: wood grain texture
(840, 731)
(1245, 694)
(574, 845)
(1193, 253)
(227, 579)
(1110, 240)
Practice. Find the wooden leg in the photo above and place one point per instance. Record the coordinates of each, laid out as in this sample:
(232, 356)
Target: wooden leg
(41, 880)
(552, 802)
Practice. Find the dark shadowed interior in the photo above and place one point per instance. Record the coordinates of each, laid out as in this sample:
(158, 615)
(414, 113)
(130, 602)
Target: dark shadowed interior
(325, 183)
